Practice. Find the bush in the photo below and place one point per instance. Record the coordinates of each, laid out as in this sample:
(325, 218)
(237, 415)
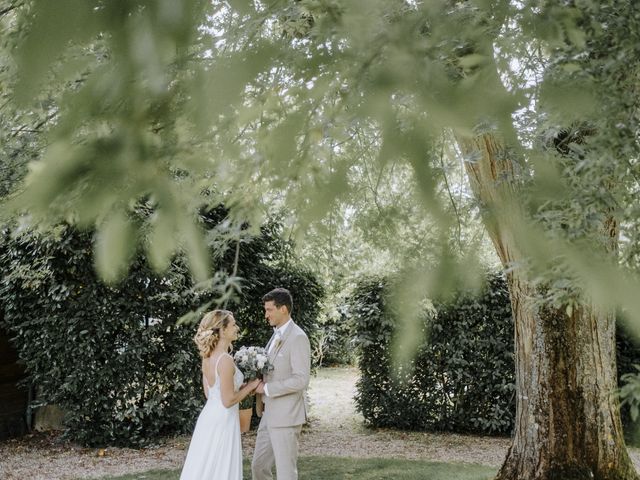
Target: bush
(462, 379)
(463, 374)
(263, 264)
(627, 355)
(113, 357)
(334, 339)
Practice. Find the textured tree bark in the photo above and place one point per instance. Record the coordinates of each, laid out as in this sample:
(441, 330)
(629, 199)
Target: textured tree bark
(568, 423)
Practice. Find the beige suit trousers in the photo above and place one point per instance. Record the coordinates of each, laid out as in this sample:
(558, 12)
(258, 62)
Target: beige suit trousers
(276, 446)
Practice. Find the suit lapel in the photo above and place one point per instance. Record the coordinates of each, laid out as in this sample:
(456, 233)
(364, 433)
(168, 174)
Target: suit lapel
(286, 335)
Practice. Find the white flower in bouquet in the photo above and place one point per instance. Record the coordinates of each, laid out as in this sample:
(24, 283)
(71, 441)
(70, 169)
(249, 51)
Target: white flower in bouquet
(253, 362)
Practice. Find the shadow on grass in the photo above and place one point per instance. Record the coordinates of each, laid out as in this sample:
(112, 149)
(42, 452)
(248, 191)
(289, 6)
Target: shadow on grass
(325, 468)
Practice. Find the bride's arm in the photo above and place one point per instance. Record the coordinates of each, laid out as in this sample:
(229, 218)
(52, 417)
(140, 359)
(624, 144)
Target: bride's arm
(230, 397)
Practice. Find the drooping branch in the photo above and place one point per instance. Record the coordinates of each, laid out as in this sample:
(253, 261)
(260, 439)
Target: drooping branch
(9, 9)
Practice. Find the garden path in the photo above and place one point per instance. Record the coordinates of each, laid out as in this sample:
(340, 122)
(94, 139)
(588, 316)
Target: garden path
(334, 430)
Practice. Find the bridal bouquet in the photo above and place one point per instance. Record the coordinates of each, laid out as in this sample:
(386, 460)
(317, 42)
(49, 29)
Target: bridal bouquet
(253, 362)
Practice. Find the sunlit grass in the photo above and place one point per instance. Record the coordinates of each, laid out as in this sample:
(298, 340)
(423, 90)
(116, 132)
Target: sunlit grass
(325, 468)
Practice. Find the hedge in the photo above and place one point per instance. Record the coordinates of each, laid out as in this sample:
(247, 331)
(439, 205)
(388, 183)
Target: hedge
(113, 357)
(462, 378)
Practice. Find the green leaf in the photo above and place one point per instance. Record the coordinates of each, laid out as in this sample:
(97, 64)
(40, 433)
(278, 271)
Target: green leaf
(115, 244)
(472, 60)
(52, 28)
(196, 250)
(161, 242)
(242, 6)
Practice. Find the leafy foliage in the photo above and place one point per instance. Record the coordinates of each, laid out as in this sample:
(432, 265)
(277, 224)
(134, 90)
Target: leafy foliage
(462, 379)
(287, 98)
(112, 357)
(22, 130)
(151, 92)
(115, 357)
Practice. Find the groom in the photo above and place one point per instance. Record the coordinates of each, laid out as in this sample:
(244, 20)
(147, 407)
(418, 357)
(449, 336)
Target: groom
(282, 392)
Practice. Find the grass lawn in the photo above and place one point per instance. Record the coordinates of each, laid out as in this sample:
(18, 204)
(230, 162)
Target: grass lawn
(325, 468)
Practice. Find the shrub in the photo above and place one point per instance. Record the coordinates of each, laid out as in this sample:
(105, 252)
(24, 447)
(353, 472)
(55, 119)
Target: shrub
(627, 355)
(462, 378)
(113, 357)
(334, 339)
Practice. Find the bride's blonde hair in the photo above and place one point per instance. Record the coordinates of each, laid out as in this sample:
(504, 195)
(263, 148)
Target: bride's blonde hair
(209, 330)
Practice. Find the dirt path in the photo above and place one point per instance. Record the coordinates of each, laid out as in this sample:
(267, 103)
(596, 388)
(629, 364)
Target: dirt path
(334, 430)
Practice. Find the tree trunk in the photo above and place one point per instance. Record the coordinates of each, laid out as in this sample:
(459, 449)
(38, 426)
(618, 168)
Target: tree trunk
(567, 418)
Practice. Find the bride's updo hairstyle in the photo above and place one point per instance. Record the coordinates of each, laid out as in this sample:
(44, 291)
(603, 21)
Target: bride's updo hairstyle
(209, 330)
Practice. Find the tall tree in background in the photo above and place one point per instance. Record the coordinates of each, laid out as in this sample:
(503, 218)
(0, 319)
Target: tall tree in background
(258, 101)
(567, 420)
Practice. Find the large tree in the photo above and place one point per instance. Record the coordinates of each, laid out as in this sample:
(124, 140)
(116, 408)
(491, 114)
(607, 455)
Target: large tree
(567, 420)
(258, 101)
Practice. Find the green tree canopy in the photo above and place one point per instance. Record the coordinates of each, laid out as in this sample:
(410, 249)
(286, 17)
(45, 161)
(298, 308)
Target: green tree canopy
(264, 104)
(295, 103)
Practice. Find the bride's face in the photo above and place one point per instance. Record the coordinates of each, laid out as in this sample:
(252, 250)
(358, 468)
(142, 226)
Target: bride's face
(230, 332)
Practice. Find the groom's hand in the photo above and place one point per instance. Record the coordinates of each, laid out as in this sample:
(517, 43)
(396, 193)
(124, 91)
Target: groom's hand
(260, 388)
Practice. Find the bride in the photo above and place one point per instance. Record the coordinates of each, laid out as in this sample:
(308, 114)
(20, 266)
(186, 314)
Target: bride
(215, 451)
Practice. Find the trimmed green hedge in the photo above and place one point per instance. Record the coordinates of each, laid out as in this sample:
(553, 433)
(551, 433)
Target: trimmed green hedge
(113, 357)
(463, 375)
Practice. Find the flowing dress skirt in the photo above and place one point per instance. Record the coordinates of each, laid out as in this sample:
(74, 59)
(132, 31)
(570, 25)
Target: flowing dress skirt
(215, 452)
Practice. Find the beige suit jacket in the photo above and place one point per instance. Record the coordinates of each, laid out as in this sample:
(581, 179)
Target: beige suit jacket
(288, 381)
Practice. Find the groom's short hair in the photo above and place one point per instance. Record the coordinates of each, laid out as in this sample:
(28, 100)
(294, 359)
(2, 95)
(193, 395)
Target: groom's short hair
(279, 297)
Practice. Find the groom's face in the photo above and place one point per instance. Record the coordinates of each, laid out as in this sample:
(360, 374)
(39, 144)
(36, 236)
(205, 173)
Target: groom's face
(276, 316)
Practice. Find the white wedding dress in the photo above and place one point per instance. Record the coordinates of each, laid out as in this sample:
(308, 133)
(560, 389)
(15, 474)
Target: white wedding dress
(215, 452)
